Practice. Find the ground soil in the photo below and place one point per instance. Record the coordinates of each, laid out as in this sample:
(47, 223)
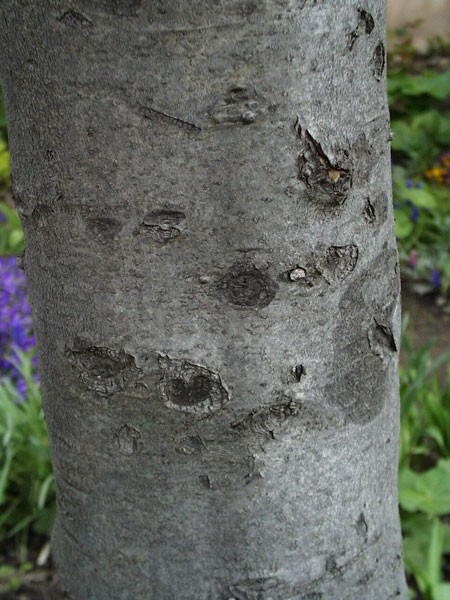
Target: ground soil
(427, 321)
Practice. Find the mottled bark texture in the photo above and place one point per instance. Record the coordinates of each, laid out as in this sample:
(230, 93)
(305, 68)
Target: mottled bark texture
(205, 191)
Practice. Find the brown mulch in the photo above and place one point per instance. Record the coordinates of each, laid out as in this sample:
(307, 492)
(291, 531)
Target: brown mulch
(40, 584)
(427, 321)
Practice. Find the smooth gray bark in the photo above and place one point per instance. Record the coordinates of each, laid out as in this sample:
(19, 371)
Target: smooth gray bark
(205, 191)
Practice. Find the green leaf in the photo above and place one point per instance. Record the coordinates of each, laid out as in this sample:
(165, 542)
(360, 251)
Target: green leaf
(440, 591)
(446, 267)
(403, 225)
(16, 238)
(4, 163)
(421, 137)
(428, 492)
(435, 553)
(421, 198)
(428, 83)
(44, 522)
(43, 491)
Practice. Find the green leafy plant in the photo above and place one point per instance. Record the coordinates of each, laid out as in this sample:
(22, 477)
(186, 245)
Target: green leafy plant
(424, 471)
(11, 577)
(426, 541)
(421, 174)
(27, 495)
(3, 131)
(4, 164)
(11, 233)
(425, 407)
(5, 180)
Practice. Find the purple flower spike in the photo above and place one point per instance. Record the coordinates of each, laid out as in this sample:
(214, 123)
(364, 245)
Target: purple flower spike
(419, 185)
(436, 279)
(414, 214)
(409, 184)
(15, 321)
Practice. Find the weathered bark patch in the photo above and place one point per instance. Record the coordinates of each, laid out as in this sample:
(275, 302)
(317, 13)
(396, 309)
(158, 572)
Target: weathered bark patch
(359, 386)
(327, 266)
(365, 26)
(258, 588)
(162, 226)
(72, 18)
(306, 279)
(375, 209)
(369, 212)
(129, 439)
(298, 372)
(378, 61)
(190, 388)
(340, 261)
(268, 421)
(296, 274)
(104, 228)
(381, 338)
(189, 445)
(361, 526)
(245, 285)
(241, 104)
(364, 336)
(104, 370)
(41, 215)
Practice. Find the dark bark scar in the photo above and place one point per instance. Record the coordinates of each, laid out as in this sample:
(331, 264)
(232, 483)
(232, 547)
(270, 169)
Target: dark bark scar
(325, 181)
(158, 115)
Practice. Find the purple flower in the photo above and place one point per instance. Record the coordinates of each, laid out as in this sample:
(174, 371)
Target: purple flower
(409, 183)
(3, 218)
(16, 333)
(414, 214)
(419, 185)
(436, 279)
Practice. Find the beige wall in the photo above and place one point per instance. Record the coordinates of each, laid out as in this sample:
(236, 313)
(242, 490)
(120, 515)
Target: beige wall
(435, 15)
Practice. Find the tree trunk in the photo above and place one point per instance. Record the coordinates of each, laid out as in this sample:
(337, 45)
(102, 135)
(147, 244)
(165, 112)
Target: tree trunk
(205, 191)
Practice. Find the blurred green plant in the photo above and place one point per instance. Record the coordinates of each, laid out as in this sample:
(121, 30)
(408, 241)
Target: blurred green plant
(421, 174)
(11, 234)
(424, 468)
(27, 494)
(5, 179)
(425, 406)
(3, 130)
(11, 577)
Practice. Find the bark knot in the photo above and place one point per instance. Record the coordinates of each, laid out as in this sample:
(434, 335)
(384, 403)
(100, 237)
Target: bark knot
(246, 286)
(190, 388)
(327, 181)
